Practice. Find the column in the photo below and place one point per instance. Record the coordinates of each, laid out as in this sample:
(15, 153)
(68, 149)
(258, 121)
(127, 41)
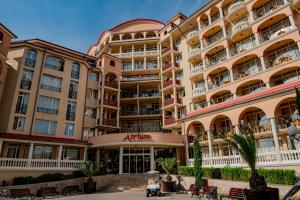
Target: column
(298, 44)
(268, 85)
(263, 64)
(59, 155)
(1, 144)
(206, 84)
(231, 74)
(97, 155)
(224, 32)
(275, 138)
(234, 95)
(186, 148)
(199, 25)
(221, 12)
(121, 161)
(237, 129)
(256, 35)
(209, 19)
(251, 16)
(30, 153)
(152, 161)
(210, 148)
(202, 44)
(227, 52)
(85, 154)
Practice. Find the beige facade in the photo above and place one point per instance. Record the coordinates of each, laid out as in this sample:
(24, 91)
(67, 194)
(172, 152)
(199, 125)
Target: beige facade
(145, 89)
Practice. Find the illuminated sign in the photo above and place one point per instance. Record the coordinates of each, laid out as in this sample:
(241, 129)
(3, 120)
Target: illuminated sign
(136, 137)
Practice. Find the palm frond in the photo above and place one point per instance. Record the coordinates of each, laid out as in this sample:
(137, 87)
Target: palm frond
(168, 164)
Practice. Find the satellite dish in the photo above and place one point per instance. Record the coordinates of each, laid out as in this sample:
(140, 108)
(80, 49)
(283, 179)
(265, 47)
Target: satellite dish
(292, 131)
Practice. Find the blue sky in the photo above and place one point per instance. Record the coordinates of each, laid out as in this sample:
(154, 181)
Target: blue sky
(77, 24)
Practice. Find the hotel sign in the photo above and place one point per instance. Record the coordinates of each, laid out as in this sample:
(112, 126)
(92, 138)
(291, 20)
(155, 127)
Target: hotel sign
(136, 137)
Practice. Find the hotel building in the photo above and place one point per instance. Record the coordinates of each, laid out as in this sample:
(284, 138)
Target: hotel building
(145, 89)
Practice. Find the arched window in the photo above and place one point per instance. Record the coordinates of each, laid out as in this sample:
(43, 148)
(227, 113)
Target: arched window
(30, 58)
(112, 63)
(1, 37)
(75, 71)
(54, 63)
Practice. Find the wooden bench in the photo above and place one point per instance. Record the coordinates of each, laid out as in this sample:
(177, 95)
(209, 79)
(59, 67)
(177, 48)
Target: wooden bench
(71, 189)
(19, 193)
(234, 193)
(47, 191)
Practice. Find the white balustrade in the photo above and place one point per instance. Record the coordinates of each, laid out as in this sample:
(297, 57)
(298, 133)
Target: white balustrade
(240, 26)
(194, 52)
(136, 54)
(268, 158)
(290, 156)
(223, 161)
(192, 34)
(235, 6)
(12, 163)
(197, 70)
(199, 92)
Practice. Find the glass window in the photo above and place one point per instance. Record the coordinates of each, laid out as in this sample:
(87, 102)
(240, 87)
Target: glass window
(48, 105)
(112, 63)
(54, 63)
(71, 153)
(45, 126)
(26, 79)
(30, 58)
(92, 94)
(19, 123)
(42, 152)
(93, 76)
(75, 71)
(71, 110)
(22, 103)
(73, 90)
(69, 129)
(51, 83)
(13, 151)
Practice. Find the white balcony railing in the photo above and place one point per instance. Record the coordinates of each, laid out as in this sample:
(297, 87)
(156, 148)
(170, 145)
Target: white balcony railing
(40, 164)
(235, 6)
(136, 54)
(192, 34)
(199, 92)
(194, 52)
(240, 26)
(197, 70)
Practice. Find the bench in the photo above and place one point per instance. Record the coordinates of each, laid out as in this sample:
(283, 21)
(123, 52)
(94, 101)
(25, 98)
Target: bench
(209, 192)
(47, 191)
(19, 193)
(71, 189)
(234, 193)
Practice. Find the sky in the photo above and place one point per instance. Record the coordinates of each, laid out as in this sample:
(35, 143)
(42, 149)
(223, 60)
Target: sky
(77, 24)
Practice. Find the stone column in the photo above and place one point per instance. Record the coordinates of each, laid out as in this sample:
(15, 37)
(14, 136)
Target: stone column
(298, 44)
(152, 161)
(275, 138)
(221, 12)
(263, 64)
(206, 85)
(59, 158)
(30, 153)
(121, 161)
(1, 144)
(224, 32)
(231, 74)
(97, 155)
(85, 154)
(237, 129)
(251, 16)
(227, 52)
(256, 35)
(268, 85)
(210, 147)
(285, 2)
(209, 19)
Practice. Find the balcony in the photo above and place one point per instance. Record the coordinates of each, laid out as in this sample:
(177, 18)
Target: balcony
(221, 133)
(216, 59)
(200, 105)
(267, 8)
(224, 81)
(149, 94)
(214, 38)
(194, 52)
(240, 26)
(151, 111)
(282, 58)
(112, 84)
(167, 50)
(192, 35)
(243, 46)
(51, 88)
(169, 121)
(169, 83)
(199, 92)
(261, 126)
(276, 32)
(108, 102)
(243, 72)
(169, 66)
(171, 101)
(47, 110)
(235, 8)
(26, 84)
(129, 112)
(131, 54)
(109, 122)
(197, 70)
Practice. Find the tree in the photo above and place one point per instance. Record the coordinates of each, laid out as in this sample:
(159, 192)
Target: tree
(245, 144)
(198, 173)
(168, 164)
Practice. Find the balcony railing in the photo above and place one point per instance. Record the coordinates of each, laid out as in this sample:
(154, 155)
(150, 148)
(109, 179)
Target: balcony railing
(168, 83)
(225, 80)
(283, 58)
(149, 94)
(51, 88)
(109, 122)
(21, 164)
(215, 38)
(215, 17)
(129, 112)
(198, 69)
(169, 120)
(260, 126)
(235, 7)
(112, 84)
(250, 44)
(199, 92)
(166, 50)
(286, 78)
(194, 52)
(200, 105)
(267, 8)
(221, 133)
(55, 67)
(192, 34)
(168, 66)
(113, 103)
(276, 33)
(149, 112)
(240, 26)
(26, 84)
(216, 59)
(249, 71)
(47, 110)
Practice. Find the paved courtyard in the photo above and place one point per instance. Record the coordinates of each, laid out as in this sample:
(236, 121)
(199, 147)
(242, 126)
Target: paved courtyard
(130, 195)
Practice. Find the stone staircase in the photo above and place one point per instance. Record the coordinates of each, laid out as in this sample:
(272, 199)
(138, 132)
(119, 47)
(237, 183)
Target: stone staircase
(130, 182)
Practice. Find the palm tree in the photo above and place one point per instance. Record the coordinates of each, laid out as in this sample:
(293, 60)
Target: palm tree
(245, 144)
(168, 164)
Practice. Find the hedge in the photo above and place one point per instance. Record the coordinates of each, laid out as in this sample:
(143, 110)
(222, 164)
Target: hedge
(275, 176)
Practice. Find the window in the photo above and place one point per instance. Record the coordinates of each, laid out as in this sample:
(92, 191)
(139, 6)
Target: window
(19, 123)
(71, 109)
(177, 42)
(13, 151)
(22, 103)
(178, 58)
(51, 83)
(88, 132)
(93, 76)
(75, 71)
(73, 90)
(112, 63)
(92, 94)
(45, 127)
(42, 152)
(71, 153)
(26, 80)
(30, 58)
(54, 63)
(69, 129)
(48, 105)
(90, 112)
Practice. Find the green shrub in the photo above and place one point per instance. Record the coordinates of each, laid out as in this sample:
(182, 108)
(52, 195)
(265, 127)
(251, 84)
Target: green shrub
(49, 177)
(77, 174)
(24, 180)
(276, 176)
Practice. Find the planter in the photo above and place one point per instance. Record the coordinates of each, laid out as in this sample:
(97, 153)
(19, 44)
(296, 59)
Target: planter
(169, 186)
(269, 193)
(90, 187)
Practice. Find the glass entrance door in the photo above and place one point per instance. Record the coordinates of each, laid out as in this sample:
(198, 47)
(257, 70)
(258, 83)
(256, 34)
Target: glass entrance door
(136, 160)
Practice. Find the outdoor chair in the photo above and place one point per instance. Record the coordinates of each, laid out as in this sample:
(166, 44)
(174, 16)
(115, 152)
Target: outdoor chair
(234, 194)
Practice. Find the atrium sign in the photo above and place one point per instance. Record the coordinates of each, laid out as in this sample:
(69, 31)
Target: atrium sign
(136, 137)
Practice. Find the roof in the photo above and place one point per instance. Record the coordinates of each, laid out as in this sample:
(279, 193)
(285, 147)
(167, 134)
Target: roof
(7, 30)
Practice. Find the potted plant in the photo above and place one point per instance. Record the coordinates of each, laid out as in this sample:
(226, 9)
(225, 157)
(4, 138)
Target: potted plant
(168, 165)
(245, 144)
(90, 170)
